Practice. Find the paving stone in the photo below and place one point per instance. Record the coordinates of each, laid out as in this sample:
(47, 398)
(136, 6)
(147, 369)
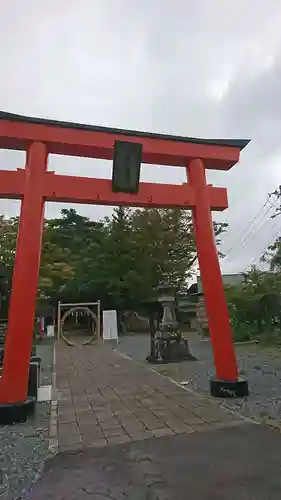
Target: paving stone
(91, 436)
(193, 420)
(103, 417)
(92, 430)
(178, 427)
(65, 397)
(84, 412)
(70, 438)
(88, 426)
(188, 417)
(123, 414)
(80, 398)
(203, 427)
(144, 412)
(87, 418)
(95, 398)
(154, 424)
(219, 425)
(65, 405)
(67, 418)
(83, 409)
(130, 419)
(65, 408)
(117, 431)
(213, 416)
(116, 405)
(97, 405)
(132, 427)
(110, 424)
(166, 431)
(70, 446)
(163, 413)
(139, 436)
(67, 428)
(95, 442)
(53, 431)
(183, 430)
(122, 438)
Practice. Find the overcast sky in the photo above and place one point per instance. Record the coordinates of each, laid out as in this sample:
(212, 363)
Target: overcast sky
(204, 68)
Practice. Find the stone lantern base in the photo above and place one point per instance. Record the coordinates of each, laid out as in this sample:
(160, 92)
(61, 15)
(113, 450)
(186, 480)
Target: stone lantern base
(170, 349)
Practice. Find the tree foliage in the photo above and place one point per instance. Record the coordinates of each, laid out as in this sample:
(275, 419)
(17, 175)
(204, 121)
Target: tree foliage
(255, 306)
(272, 256)
(277, 195)
(119, 260)
(8, 242)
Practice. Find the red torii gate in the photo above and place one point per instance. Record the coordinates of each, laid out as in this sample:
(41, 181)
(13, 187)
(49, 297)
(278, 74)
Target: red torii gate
(34, 185)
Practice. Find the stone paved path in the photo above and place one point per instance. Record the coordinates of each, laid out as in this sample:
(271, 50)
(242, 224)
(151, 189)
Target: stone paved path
(106, 398)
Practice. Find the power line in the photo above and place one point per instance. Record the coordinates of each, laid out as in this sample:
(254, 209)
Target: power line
(246, 229)
(244, 236)
(270, 241)
(259, 228)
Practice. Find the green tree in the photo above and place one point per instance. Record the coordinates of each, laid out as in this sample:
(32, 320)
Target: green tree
(54, 268)
(120, 260)
(8, 242)
(164, 245)
(272, 256)
(255, 305)
(118, 269)
(143, 246)
(78, 242)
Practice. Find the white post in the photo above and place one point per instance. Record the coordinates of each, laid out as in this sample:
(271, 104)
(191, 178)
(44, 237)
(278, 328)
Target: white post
(99, 318)
(110, 330)
(58, 319)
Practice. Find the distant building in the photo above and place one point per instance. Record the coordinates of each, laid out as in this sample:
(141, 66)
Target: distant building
(191, 306)
(228, 279)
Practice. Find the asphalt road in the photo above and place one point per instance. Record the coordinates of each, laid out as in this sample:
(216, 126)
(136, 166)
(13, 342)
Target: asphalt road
(238, 463)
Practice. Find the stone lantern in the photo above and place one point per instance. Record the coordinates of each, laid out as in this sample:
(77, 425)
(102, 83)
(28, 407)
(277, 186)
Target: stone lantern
(166, 297)
(167, 344)
(152, 309)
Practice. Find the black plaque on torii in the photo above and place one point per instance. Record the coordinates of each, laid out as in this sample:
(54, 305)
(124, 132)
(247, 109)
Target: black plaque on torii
(126, 167)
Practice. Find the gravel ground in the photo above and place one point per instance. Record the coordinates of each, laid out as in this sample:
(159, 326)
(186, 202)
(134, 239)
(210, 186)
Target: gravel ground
(24, 447)
(260, 366)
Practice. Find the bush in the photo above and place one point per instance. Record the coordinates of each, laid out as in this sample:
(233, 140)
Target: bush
(242, 334)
